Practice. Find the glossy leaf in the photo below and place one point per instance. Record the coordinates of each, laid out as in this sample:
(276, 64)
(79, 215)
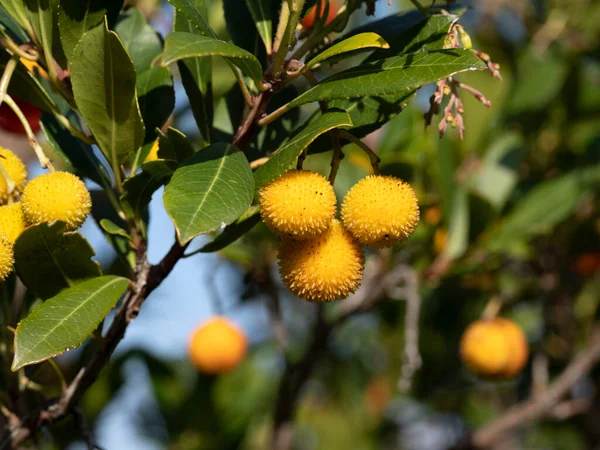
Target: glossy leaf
(196, 75)
(49, 260)
(156, 97)
(180, 45)
(242, 30)
(103, 78)
(213, 188)
(174, 145)
(261, 14)
(141, 41)
(17, 10)
(195, 12)
(352, 44)
(392, 75)
(112, 228)
(288, 153)
(65, 321)
(75, 17)
(42, 14)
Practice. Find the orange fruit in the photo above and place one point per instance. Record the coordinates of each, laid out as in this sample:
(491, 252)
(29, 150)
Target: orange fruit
(494, 348)
(217, 346)
(517, 342)
(310, 19)
(586, 264)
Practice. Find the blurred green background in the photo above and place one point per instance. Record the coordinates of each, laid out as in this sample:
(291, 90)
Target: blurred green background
(510, 213)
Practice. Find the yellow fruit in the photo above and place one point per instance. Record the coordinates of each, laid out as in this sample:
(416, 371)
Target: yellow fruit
(217, 346)
(380, 211)
(12, 221)
(153, 154)
(56, 196)
(299, 204)
(440, 239)
(7, 257)
(494, 348)
(322, 269)
(16, 171)
(519, 349)
(484, 348)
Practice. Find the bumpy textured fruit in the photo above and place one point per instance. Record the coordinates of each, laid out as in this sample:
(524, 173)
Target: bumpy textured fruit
(16, 171)
(153, 154)
(7, 257)
(517, 342)
(322, 269)
(310, 19)
(56, 196)
(380, 211)
(484, 348)
(494, 348)
(217, 346)
(299, 204)
(10, 122)
(12, 221)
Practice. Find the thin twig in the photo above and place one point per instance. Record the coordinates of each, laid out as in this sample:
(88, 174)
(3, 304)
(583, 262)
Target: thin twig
(44, 160)
(11, 65)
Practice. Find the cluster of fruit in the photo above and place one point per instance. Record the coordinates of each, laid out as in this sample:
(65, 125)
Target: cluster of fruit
(47, 198)
(494, 348)
(320, 257)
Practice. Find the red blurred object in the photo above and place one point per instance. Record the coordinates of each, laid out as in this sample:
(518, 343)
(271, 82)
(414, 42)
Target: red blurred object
(10, 122)
(310, 19)
(586, 264)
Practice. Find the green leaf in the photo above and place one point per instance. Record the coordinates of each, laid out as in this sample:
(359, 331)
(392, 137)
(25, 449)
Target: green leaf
(75, 17)
(75, 154)
(426, 34)
(242, 29)
(180, 45)
(18, 11)
(64, 322)
(352, 44)
(12, 27)
(103, 78)
(367, 114)
(174, 145)
(156, 97)
(234, 231)
(392, 75)
(458, 229)
(548, 204)
(196, 75)
(48, 259)
(141, 41)
(288, 153)
(112, 228)
(213, 188)
(261, 14)
(139, 188)
(42, 14)
(194, 11)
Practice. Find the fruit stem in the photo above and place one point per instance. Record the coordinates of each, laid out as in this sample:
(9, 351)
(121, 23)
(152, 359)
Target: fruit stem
(39, 152)
(10, 184)
(375, 160)
(492, 308)
(11, 65)
(337, 157)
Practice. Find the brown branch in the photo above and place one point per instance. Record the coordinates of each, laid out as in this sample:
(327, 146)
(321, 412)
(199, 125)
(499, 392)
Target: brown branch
(147, 279)
(544, 405)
